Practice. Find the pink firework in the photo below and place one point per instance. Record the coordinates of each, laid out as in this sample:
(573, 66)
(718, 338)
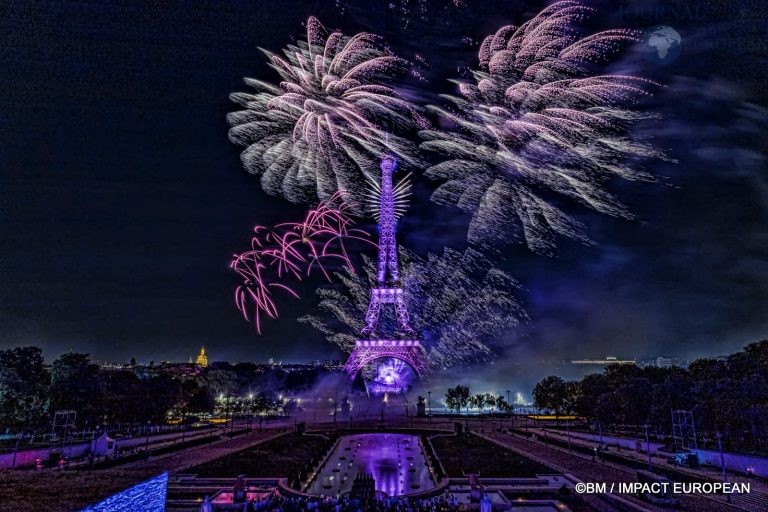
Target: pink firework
(292, 250)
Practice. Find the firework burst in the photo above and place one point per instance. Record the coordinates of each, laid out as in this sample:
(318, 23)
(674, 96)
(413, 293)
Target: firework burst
(536, 124)
(292, 250)
(456, 303)
(322, 128)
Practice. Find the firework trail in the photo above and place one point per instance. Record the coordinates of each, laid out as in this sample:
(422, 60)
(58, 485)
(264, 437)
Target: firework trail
(323, 127)
(456, 303)
(292, 250)
(537, 124)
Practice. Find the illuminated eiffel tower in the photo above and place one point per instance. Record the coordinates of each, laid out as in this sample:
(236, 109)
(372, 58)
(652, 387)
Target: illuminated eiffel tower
(389, 203)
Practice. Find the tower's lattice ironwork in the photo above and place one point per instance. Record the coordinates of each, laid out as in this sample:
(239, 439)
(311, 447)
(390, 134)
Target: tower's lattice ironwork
(389, 201)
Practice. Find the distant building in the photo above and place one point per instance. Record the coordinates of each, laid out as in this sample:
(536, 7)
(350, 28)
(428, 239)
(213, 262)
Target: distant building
(117, 367)
(603, 362)
(202, 359)
(664, 362)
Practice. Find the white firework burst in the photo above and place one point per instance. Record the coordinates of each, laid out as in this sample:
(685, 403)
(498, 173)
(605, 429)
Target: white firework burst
(536, 126)
(322, 128)
(458, 306)
(401, 194)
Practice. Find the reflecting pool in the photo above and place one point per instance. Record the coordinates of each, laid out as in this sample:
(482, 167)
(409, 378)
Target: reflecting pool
(395, 461)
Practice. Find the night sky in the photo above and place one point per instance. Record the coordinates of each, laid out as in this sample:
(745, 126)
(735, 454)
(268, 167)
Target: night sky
(121, 199)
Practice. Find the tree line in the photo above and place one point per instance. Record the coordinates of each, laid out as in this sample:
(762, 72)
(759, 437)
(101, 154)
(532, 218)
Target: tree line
(459, 397)
(728, 396)
(31, 392)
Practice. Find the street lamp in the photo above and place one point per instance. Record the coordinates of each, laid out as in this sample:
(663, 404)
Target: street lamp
(648, 448)
(600, 429)
(250, 410)
(183, 440)
(226, 413)
(146, 443)
(722, 459)
(429, 394)
(510, 409)
(16, 450)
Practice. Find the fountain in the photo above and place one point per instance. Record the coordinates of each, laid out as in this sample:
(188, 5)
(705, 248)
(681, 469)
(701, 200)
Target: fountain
(395, 462)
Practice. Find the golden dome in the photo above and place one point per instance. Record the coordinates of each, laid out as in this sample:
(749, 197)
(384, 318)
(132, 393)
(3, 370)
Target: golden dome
(202, 359)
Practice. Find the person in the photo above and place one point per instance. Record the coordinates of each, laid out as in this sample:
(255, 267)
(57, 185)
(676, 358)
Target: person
(485, 504)
(206, 506)
(239, 495)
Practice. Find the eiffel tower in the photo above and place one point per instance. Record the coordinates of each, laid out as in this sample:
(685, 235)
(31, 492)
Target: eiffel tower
(388, 203)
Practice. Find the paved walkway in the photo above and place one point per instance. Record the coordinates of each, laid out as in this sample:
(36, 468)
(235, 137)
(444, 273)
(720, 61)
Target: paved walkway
(757, 500)
(179, 461)
(54, 490)
(588, 470)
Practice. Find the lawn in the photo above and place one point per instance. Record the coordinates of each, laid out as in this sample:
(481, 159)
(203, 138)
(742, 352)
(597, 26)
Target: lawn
(50, 491)
(465, 454)
(282, 457)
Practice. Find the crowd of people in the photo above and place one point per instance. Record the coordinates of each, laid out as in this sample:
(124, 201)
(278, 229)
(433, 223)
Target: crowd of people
(278, 503)
(389, 504)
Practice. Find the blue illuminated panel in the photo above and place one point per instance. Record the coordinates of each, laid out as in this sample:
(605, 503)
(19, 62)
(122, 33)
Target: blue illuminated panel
(146, 496)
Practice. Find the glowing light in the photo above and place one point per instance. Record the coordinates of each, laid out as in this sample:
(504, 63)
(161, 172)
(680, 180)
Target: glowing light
(147, 496)
(315, 133)
(390, 376)
(292, 250)
(457, 301)
(537, 121)
(387, 290)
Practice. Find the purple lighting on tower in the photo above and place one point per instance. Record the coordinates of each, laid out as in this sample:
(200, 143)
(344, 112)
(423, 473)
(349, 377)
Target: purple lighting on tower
(391, 376)
(387, 203)
(391, 202)
(387, 224)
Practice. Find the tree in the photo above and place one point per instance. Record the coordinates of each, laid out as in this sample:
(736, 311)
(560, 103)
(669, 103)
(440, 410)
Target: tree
(23, 388)
(754, 358)
(457, 397)
(591, 387)
(120, 402)
(550, 394)
(502, 405)
(75, 386)
(202, 401)
(728, 396)
(463, 392)
(162, 393)
(452, 400)
(477, 401)
(489, 400)
(572, 397)
(221, 382)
